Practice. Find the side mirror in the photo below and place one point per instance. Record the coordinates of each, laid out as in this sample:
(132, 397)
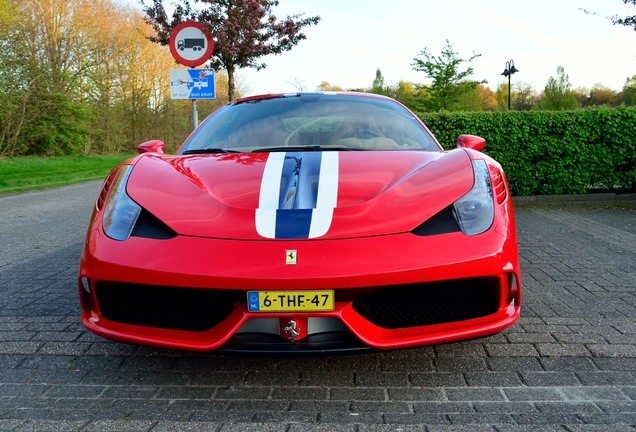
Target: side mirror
(154, 146)
(471, 141)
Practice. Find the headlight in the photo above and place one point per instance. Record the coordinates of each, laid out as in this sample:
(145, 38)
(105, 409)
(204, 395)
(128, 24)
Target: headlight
(121, 212)
(475, 211)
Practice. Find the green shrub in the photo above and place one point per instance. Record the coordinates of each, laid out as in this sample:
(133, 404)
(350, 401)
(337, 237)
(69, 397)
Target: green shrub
(551, 152)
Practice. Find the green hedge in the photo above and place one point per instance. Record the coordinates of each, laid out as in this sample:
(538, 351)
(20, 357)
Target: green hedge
(551, 152)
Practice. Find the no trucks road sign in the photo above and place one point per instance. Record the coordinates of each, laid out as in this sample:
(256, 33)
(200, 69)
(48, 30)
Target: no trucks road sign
(191, 43)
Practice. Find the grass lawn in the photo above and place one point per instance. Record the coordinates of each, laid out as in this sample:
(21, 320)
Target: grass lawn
(35, 172)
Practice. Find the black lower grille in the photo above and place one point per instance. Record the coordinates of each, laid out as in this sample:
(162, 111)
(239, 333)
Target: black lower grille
(429, 303)
(172, 308)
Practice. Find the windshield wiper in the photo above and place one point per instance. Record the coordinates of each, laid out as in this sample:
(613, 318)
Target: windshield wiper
(208, 151)
(304, 148)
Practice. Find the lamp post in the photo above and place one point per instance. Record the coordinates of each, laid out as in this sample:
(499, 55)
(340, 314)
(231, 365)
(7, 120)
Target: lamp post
(510, 69)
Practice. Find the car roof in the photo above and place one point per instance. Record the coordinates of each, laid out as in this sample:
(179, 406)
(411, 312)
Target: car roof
(308, 94)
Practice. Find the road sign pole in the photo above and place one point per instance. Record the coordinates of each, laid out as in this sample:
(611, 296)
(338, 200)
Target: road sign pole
(195, 114)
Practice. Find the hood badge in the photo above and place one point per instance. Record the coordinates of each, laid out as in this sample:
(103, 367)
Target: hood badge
(292, 330)
(291, 257)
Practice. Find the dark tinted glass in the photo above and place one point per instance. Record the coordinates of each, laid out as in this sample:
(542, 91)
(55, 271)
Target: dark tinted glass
(325, 121)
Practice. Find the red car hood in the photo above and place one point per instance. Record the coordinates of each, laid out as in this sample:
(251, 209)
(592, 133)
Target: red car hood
(323, 195)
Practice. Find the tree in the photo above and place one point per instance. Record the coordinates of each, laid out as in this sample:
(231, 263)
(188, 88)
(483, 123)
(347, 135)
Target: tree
(487, 98)
(5, 14)
(522, 95)
(42, 56)
(378, 86)
(244, 31)
(525, 97)
(80, 76)
(298, 84)
(628, 94)
(629, 21)
(325, 86)
(557, 94)
(404, 91)
(449, 81)
(501, 93)
(599, 95)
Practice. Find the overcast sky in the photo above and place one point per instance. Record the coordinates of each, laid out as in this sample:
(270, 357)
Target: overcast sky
(356, 37)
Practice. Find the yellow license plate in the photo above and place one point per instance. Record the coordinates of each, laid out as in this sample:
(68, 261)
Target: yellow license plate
(291, 301)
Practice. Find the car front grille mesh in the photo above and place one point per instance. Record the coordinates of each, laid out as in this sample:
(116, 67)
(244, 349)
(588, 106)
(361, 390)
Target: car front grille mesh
(422, 304)
(173, 308)
(389, 307)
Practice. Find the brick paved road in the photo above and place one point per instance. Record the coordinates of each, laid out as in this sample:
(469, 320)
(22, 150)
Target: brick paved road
(568, 365)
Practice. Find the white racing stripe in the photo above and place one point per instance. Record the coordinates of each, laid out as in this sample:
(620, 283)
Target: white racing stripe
(327, 195)
(268, 198)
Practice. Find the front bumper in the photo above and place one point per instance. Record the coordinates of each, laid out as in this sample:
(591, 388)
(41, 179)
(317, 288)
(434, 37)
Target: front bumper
(387, 288)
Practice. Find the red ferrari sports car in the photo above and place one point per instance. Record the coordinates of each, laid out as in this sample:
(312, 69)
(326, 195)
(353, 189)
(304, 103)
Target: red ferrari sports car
(303, 222)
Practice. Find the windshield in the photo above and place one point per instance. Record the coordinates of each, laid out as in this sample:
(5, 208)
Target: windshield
(311, 122)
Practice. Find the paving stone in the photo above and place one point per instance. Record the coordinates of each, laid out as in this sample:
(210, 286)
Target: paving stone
(514, 364)
(415, 394)
(481, 418)
(629, 391)
(322, 428)
(512, 350)
(475, 394)
(437, 379)
(493, 379)
(182, 392)
(343, 418)
(384, 407)
(390, 428)
(615, 426)
(601, 393)
(357, 394)
(618, 406)
(461, 365)
(185, 426)
(49, 426)
(304, 393)
(533, 394)
(562, 349)
(569, 364)
(397, 420)
(386, 379)
(123, 425)
(533, 428)
(550, 379)
(613, 350)
(606, 378)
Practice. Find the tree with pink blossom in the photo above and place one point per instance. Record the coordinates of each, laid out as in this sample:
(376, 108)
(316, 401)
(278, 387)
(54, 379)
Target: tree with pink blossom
(243, 31)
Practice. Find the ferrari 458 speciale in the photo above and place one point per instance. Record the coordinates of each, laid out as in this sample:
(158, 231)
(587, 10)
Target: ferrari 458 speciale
(303, 222)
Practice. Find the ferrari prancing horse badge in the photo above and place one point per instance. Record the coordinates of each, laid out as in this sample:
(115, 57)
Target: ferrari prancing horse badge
(291, 256)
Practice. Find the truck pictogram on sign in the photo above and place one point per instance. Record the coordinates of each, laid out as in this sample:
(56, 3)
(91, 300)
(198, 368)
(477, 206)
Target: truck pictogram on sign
(195, 44)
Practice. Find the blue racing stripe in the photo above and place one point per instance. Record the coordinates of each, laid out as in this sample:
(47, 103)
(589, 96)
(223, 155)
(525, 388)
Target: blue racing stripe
(294, 223)
(298, 194)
